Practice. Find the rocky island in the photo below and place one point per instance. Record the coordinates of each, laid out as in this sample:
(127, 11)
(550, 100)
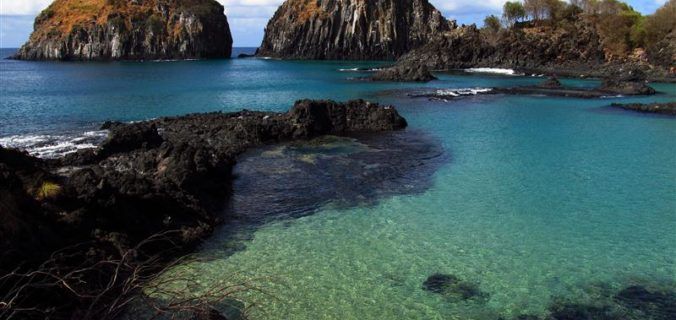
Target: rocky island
(351, 29)
(151, 191)
(129, 30)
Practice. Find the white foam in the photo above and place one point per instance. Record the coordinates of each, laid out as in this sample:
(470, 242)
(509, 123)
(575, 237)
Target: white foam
(509, 72)
(54, 146)
(462, 92)
(359, 70)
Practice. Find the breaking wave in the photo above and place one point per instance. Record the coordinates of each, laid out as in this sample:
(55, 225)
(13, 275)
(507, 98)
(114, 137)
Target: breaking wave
(509, 72)
(49, 146)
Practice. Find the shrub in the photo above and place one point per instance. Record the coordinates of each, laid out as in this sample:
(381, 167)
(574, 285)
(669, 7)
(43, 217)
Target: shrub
(48, 190)
(492, 23)
(513, 11)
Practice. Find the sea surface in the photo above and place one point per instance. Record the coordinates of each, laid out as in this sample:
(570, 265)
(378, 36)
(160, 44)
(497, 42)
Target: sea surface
(532, 201)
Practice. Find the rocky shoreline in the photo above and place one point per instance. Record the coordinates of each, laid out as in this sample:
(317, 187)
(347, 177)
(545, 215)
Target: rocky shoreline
(631, 83)
(169, 177)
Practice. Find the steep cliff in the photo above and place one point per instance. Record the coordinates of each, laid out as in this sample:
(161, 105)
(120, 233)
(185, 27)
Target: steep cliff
(129, 30)
(351, 29)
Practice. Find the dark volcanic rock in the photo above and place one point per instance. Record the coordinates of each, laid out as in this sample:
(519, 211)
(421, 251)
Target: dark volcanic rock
(289, 180)
(125, 138)
(404, 73)
(627, 82)
(582, 312)
(129, 30)
(452, 287)
(668, 108)
(538, 48)
(551, 83)
(350, 29)
(574, 49)
(654, 305)
(169, 176)
(24, 228)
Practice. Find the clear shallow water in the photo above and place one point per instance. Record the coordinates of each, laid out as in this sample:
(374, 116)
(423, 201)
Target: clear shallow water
(541, 199)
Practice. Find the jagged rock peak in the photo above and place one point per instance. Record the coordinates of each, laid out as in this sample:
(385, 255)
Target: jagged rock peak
(129, 30)
(351, 29)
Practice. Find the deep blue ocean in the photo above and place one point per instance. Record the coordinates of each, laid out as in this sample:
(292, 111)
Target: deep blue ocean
(540, 200)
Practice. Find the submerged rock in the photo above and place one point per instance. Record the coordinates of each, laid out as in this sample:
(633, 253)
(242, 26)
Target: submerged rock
(290, 180)
(350, 29)
(129, 30)
(404, 73)
(452, 287)
(668, 108)
(653, 305)
(582, 312)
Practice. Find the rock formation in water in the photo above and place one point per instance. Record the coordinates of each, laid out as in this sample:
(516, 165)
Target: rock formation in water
(129, 30)
(551, 83)
(351, 29)
(167, 180)
(668, 108)
(404, 73)
(627, 82)
(452, 288)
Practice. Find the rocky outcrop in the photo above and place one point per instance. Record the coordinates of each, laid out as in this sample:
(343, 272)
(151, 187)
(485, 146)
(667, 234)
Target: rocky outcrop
(528, 48)
(404, 73)
(627, 82)
(129, 30)
(573, 50)
(351, 29)
(551, 83)
(169, 177)
(668, 108)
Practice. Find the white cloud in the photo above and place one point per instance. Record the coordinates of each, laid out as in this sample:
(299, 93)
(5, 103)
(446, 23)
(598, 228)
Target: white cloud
(466, 5)
(22, 7)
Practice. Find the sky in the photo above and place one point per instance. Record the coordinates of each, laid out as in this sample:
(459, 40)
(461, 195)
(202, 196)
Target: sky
(248, 17)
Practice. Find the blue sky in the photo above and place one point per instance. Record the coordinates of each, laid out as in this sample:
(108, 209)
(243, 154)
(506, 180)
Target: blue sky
(249, 17)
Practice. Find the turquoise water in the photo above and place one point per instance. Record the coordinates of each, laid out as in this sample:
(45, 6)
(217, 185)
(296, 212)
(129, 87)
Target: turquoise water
(540, 199)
